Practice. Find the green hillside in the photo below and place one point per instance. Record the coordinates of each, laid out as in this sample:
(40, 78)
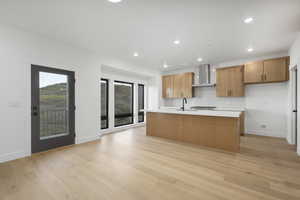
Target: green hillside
(53, 96)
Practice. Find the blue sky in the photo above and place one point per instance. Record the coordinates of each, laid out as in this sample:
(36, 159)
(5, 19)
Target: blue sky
(51, 79)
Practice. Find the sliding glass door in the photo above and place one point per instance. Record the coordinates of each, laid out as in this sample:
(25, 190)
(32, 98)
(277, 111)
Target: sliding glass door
(141, 103)
(104, 103)
(123, 103)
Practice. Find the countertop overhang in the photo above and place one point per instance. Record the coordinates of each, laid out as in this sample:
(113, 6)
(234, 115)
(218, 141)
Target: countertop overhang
(213, 113)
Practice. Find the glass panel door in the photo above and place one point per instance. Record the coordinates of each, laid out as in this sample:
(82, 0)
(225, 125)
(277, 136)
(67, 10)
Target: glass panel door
(53, 108)
(141, 103)
(104, 103)
(123, 103)
(54, 105)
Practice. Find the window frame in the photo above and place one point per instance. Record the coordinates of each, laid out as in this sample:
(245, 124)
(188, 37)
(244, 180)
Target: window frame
(132, 103)
(107, 103)
(138, 121)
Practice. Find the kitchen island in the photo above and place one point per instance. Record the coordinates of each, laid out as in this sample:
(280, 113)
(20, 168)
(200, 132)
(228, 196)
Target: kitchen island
(211, 128)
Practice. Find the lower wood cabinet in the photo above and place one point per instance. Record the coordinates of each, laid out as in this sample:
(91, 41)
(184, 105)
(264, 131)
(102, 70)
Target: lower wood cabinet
(178, 85)
(230, 82)
(267, 71)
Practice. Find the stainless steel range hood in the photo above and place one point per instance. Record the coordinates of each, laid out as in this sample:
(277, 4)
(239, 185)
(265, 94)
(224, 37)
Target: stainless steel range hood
(202, 76)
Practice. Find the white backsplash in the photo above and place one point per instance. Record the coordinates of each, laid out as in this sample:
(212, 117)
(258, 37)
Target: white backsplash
(206, 96)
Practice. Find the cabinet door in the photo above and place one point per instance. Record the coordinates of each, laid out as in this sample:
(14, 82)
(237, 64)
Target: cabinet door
(236, 81)
(164, 86)
(188, 85)
(222, 81)
(276, 70)
(167, 86)
(253, 72)
(178, 85)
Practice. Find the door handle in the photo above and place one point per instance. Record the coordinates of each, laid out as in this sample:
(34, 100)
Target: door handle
(35, 111)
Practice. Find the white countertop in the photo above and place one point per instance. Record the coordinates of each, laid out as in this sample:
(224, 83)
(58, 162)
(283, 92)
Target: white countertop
(218, 108)
(214, 113)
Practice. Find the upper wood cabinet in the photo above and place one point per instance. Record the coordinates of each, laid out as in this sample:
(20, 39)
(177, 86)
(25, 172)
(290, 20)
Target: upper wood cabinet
(230, 82)
(167, 86)
(253, 72)
(178, 85)
(267, 71)
(276, 70)
(188, 85)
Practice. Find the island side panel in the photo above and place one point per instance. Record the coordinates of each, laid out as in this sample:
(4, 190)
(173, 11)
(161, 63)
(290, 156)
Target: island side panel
(228, 133)
(242, 123)
(164, 125)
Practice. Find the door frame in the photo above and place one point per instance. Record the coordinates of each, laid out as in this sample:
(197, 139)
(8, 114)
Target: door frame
(38, 145)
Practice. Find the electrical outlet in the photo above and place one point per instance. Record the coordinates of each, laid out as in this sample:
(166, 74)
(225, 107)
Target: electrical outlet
(263, 126)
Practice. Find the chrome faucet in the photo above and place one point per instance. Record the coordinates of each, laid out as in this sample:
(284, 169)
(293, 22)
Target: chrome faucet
(184, 101)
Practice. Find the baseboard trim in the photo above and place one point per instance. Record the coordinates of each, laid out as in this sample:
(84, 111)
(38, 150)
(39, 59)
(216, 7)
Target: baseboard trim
(87, 139)
(22, 154)
(13, 156)
(253, 132)
(122, 128)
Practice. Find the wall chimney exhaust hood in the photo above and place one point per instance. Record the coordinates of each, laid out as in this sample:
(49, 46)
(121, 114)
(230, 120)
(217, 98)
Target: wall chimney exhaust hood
(202, 76)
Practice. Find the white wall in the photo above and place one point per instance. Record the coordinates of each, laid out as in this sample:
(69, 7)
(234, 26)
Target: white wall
(266, 104)
(18, 50)
(295, 60)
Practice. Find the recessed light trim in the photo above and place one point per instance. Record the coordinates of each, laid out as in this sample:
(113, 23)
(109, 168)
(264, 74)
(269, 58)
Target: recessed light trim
(136, 54)
(199, 59)
(115, 1)
(248, 20)
(177, 42)
(250, 49)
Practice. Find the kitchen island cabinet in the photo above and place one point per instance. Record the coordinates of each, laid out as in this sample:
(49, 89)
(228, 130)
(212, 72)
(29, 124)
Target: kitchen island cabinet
(220, 132)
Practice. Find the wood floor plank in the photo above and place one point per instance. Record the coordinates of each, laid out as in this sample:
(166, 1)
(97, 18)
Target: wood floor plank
(131, 166)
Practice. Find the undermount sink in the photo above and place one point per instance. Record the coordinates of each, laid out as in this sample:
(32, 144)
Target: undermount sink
(203, 108)
(186, 110)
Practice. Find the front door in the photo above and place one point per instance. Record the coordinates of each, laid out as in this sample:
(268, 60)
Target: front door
(52, 108)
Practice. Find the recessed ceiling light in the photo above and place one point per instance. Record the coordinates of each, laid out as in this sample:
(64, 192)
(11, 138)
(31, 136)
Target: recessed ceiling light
(248, 20)
(115, 1)
(136, 54)
(199, 59)
(165, 65)
(177, 42)
(250, 49)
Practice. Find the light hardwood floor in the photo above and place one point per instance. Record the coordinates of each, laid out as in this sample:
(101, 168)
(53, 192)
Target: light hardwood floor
(130, 166)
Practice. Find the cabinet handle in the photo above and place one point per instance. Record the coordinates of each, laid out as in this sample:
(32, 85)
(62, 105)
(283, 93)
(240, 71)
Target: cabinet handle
(262, 77)
(265, 77)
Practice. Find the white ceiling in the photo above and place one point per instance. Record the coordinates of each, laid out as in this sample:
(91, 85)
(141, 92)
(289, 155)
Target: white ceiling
(211, 29)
